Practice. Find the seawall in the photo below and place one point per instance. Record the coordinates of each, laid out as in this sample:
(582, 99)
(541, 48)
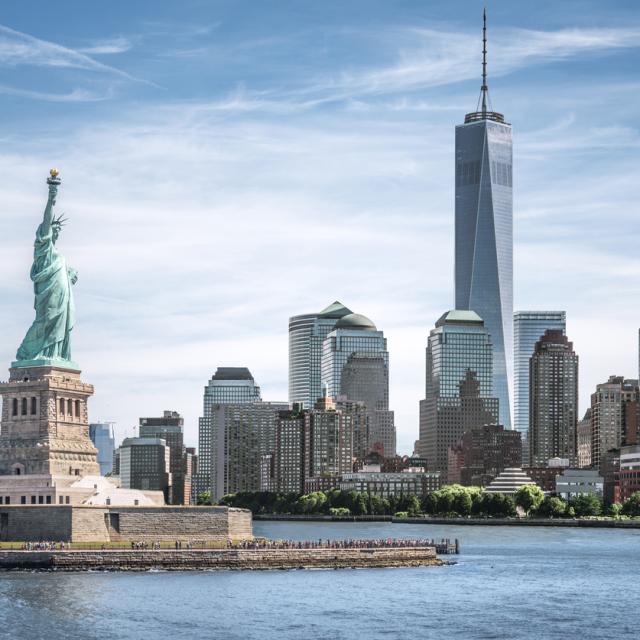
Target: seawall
(194, 559)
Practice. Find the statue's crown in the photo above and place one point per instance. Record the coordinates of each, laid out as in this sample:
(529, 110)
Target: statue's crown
(59, 222)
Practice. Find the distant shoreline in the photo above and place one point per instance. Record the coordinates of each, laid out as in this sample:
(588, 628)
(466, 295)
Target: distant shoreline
(509, 522)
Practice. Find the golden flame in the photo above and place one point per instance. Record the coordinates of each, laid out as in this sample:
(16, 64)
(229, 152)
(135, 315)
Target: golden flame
(54, 173)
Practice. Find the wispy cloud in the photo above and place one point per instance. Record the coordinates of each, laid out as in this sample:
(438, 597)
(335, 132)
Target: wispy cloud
(435, 58)
(17, 49)
(107, 47)
(76, 95)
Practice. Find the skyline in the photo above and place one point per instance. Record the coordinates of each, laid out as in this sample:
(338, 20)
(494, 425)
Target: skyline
(160, 172)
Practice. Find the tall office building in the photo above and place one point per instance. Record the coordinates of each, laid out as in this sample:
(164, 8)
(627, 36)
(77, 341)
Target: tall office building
(101, 434)
(615, 417)
(229, 385)
(170, 427)
(145, 464)
(528, 328)
(306, 335)
(355, 364)
(484, 231)
(553, 400)
(458, 393)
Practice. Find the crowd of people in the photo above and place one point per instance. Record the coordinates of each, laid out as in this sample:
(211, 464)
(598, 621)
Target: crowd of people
(351, 543)
(45, 546)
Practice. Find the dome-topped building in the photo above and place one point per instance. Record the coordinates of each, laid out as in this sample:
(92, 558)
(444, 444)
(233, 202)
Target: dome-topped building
(355, 321)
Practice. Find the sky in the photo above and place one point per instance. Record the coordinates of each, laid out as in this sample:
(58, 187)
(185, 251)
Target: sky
(228, 164)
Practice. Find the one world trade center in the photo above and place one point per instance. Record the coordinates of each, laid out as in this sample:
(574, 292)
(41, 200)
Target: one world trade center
(484, 231)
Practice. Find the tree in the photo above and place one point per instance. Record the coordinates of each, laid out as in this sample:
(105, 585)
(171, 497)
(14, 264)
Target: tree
(631, 506)
(529, 497)
(586, 504)
(552, 507)
(205, 498)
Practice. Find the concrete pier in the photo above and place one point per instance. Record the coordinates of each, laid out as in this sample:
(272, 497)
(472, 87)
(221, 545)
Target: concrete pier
(207, 559)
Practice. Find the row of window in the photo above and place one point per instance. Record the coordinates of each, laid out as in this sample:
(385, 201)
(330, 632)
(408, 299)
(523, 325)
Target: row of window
(24, 406)
(35, 500)
(29, 406)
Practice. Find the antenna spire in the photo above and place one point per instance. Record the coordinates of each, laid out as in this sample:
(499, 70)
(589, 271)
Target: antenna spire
(484, 87)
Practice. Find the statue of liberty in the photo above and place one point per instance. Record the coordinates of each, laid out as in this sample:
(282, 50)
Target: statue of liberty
(47, 341)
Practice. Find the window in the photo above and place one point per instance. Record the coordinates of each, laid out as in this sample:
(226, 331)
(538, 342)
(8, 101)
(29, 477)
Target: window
(77, 408)
(33, 499)
(66, 500)
(48, 499)
(70, 407)
(23, 499)
(34, 406)
(24, 406)
(62, 406)
(15, 407)
(61, 499)
(7, 500)
(40, 499)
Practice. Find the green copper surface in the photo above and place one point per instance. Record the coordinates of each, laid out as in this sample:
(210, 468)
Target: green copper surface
(48, 340)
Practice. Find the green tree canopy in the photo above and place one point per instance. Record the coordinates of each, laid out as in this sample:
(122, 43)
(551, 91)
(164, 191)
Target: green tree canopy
(529, 497)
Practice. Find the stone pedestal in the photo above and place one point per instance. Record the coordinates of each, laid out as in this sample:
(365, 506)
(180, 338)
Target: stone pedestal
(45, 428)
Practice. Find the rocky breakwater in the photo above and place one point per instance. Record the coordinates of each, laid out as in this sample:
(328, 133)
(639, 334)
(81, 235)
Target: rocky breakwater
(207, 559)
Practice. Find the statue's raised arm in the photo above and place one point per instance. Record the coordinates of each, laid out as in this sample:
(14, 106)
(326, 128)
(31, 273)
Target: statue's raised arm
(53, 181)
(48, 340)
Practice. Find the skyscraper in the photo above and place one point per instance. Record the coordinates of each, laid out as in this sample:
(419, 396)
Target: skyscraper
(615, 416)
(484, 231)
(355, 364)
(229, 385)
(528, 328)
(170, 427)
(101, 434)
(306, 335)
(553, 400)
(458, 385)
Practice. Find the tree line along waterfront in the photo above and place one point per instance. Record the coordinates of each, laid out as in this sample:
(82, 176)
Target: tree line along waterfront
(450, 501)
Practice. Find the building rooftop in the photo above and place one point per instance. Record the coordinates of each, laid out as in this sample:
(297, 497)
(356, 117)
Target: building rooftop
(459, 316)
(355, 321)
(335, 310)
(232, 373)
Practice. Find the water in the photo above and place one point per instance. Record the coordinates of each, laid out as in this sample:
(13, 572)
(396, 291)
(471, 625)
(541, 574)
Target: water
(509, 582)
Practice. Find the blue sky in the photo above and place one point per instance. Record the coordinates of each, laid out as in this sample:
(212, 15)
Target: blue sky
(228, 164)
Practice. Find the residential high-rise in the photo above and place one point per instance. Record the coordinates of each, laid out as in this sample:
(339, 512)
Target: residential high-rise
(101, 434)
(484, 231)
(355, 365)
(289, 452)
(584, 441)
(458, 385)
(615, 416)
(553, 399)
(170, 427)
(306, 335)
(328, 440)
(145, 464)
(229, 385)
(242, 435)
(528, 328)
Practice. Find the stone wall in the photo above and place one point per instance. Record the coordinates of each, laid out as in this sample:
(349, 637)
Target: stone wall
(111, 524)
(220, 559)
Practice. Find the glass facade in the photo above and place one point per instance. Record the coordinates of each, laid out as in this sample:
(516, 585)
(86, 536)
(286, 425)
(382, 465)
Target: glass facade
(528, 328)
(484, 237)
(101, 434)
(458, 393)
(306, 335)
(229, 385)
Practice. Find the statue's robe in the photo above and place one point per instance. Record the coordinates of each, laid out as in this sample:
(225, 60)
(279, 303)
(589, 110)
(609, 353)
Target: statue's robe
(48, 336)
